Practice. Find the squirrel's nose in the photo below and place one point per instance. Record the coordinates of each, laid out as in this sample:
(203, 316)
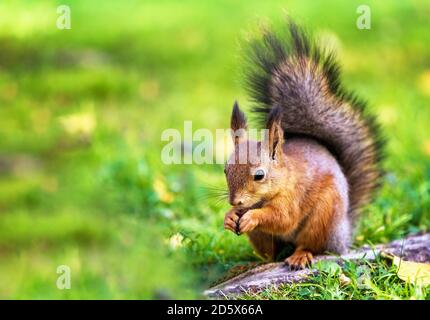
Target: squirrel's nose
(236, 202)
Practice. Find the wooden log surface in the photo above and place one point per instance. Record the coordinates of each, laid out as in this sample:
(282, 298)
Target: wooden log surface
(413, 248)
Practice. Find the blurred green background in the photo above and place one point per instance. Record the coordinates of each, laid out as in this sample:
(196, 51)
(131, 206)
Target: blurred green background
(81, 115)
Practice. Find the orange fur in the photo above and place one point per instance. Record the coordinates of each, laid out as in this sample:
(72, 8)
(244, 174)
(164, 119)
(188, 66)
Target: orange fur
(282, 215)
(301, 197)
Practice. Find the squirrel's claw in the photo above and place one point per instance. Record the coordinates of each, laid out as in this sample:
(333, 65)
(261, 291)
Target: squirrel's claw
(230, 225)
(231, 221)
(300, 259)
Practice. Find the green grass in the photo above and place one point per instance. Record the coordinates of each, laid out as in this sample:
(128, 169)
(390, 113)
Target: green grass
(81, 115)
(365, 281)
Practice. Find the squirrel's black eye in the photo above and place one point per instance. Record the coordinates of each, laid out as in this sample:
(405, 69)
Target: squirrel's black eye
(259, 175)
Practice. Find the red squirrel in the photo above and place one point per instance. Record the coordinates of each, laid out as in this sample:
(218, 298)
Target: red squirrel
(319, 163)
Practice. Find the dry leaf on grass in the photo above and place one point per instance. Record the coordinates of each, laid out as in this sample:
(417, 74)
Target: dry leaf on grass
(162, 191)
(409, 271)
(344, 280)
(79, 123)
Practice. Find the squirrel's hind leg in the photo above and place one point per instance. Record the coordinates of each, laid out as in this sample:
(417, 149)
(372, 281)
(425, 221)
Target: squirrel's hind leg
(266, 245)
(327, 228)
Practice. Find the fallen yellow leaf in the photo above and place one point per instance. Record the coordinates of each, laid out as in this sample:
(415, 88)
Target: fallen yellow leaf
(161, 189)
(409, 271)
(79, 123)
(359, 237)
(344, 280)
(424, 82)
(426, 147)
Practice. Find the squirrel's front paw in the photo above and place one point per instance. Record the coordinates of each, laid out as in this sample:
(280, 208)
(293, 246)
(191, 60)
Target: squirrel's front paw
(248, 222)
(231, 220)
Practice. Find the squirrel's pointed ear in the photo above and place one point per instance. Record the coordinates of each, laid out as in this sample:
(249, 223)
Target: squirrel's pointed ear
(276, 133)
(238, 124)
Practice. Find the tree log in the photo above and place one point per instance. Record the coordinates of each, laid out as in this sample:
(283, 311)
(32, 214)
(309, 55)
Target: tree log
(413, 248)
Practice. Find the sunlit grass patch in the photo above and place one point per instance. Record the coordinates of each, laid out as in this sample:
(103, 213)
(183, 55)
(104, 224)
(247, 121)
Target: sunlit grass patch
(81, 115)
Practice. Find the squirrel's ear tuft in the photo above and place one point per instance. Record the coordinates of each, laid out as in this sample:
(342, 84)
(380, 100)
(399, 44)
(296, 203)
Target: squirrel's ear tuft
(276, 133)
(238, 124)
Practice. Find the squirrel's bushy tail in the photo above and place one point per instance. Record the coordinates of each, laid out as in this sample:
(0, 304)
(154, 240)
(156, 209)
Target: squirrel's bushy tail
(291, 72)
